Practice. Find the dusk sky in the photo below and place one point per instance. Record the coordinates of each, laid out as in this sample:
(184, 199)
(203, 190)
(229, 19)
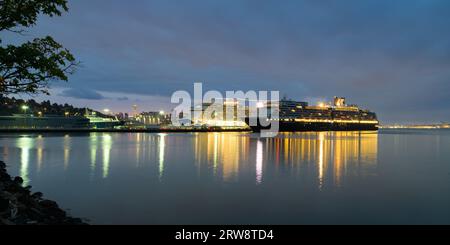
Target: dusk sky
(392, 57)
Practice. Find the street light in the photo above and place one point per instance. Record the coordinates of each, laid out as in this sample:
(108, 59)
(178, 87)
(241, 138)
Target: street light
(25, 108)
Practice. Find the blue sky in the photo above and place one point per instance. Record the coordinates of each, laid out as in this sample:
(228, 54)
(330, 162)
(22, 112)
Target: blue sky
(390, 56)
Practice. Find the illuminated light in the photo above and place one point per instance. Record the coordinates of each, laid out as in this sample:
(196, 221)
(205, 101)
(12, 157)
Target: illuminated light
(66, 114)
(321, 104)
(233, 103)
(106, 110)
(260, 105)
(25, 107)
(336, 121)
(161, 113)
(40, 113)
(224, 123)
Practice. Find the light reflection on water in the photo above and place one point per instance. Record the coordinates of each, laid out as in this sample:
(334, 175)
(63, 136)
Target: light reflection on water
(203, 178)
(161, 149)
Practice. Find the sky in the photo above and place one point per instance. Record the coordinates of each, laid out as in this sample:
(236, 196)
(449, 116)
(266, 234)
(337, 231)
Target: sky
(392, 57)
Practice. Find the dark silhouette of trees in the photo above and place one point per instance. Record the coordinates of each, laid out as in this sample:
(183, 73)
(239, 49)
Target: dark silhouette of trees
(10, 106)
(31, 66)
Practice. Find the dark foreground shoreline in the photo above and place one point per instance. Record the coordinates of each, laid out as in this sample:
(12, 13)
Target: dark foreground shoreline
(19, 206)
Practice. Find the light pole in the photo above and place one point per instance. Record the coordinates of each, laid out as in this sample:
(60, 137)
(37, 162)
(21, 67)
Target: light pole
(24, 108)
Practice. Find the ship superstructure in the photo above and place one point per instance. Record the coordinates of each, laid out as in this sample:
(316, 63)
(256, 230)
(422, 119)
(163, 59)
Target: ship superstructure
(300, 116)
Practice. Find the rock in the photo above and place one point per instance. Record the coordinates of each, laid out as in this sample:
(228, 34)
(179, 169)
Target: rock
(19, 207)
(37, 195)
(4, 204)
(51, 208)
(5, 222)
(48, 204)
(18, 180)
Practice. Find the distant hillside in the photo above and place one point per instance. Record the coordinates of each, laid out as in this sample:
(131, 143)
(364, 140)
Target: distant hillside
(9, 106)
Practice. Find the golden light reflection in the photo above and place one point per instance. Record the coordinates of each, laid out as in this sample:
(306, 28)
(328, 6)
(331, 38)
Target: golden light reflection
(107, 145)
(259, 162)
(224, 152)
(216, 146)
(336, 154)
(321, 157)
(328, 157)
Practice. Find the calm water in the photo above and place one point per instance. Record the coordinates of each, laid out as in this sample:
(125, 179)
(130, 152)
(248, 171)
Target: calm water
(389, 177)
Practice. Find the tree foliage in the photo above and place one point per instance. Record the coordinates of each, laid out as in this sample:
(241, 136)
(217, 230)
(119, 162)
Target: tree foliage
(11, 106)
(29, 67)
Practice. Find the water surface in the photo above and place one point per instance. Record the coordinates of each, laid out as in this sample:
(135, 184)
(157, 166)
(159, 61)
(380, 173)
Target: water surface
(386, 177)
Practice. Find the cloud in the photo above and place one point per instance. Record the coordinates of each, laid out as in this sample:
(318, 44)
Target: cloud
(384, 55)
(80, 93)
(124, 98)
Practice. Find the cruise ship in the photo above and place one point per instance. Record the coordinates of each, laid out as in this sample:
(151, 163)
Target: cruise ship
(336, 116)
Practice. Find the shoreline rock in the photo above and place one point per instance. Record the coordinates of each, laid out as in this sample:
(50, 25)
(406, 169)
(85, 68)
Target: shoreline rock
(19, 206)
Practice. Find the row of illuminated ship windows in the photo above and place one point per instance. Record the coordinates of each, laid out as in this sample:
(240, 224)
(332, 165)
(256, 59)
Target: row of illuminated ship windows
(327, 115)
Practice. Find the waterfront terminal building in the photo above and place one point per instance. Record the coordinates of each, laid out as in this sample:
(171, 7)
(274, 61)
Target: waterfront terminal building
(22, 121)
